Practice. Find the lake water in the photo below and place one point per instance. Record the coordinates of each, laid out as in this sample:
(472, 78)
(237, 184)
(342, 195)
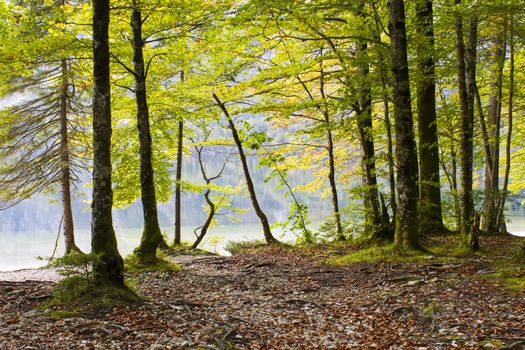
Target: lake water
(20, 249)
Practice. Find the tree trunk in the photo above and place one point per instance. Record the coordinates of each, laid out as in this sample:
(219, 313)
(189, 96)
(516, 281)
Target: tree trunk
(390, 146)
(430, 187)
(500, 222)
(178, 175)
(208, 222)
(110, 268)
(406, 235)
(373, 220)
(151, 236)
(466, 65)
(268, 236)
(493, 130)
(454, 186)
(65, 171)
(333, 185)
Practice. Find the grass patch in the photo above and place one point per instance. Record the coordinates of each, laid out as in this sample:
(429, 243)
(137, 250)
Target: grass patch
(133, 264)
(60, 314)
(510, 272)
(386, 253)
(239, 247)
(185, 248)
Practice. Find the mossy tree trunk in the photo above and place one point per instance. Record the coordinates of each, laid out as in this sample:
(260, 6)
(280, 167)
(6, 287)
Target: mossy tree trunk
(110, 268)
(490, 209)
(406, 234)
(430, 188)
(466, 66)
(151, 236)
(373, 217)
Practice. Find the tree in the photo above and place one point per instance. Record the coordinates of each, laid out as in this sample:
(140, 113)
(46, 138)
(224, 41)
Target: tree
(500, 220)
(375, 223)
(407, 225)
(110, 268)
(493, 127)
(213, 207)
(178, 175)
(430, 187)
(268, 236)
(151, 236)
(466, 67)
(43, 131)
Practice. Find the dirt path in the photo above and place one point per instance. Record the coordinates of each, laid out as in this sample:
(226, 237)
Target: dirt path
(282, 301)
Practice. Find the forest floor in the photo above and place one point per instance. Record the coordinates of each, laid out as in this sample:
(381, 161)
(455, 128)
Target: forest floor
(285, 298)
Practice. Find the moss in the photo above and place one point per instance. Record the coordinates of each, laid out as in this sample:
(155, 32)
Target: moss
(386, 253)
(57, 315)
(492, 344)
(78, 294)
(509, 273)
(133, 264)
(432, 308)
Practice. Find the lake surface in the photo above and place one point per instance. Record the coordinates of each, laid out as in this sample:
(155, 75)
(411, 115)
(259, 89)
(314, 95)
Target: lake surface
(19, 250)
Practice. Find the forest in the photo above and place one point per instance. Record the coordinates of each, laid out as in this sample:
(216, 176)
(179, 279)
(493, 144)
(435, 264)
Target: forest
(401, 119)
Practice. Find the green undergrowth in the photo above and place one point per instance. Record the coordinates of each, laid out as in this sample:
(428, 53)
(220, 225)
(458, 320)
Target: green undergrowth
(510, 272)
(185, 248)
(78, 290)
(239, 247)
(77, 295)
(132, 264)
(385, 253)
(60, 314)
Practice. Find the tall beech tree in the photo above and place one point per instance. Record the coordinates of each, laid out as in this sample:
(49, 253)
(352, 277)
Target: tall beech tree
(110, 268)
(491, 200)
(151, 236)
(407, 221)
(500, 220)
(375, 223)
(466, 67)
(429, 181)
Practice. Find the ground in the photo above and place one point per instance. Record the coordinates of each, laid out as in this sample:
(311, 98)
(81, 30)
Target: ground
(281, 298)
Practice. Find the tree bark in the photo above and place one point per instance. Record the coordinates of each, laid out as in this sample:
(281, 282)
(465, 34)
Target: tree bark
(211, 205)
(493, 130)
(407, 230)
(110, 268)
(208, 222)
(65, 171)
(333, 185)
(331, 162)
(151, 236)
(466, 65)
(268, 236)
(500, 222)
(388, 129)
(430, 187)
(373, 218)
(178, 175)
